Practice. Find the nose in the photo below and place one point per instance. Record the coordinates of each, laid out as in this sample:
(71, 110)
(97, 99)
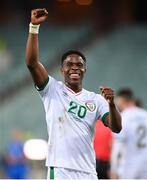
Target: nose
(74, 66)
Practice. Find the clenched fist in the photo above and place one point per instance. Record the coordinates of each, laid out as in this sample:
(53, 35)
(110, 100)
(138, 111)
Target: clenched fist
(38, 16)
(108, 94)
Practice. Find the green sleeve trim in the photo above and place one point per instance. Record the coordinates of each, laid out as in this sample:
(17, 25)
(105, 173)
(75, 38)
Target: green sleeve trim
(104, 116)
(51, 173)
(43, 86)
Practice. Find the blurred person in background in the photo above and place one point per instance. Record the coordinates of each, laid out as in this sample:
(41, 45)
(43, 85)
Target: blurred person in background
(15, 165)
(71, 111)
(129, 152)
(102, 147)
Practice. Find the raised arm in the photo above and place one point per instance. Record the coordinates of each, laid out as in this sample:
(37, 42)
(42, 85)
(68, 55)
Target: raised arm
(38, 72)
(113, 120)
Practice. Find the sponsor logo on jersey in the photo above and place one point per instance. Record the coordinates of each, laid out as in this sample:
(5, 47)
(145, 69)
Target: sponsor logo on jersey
(65, 93)
(90, 106)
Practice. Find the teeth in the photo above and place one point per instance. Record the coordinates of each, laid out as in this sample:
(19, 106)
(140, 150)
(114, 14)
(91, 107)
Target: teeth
(74, 75)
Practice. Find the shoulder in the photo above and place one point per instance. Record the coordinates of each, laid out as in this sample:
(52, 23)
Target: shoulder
(54, 82)
(89, 93)
(98, 98)
(133, 112)
(132, 115)
(50, 87)
(93, 95)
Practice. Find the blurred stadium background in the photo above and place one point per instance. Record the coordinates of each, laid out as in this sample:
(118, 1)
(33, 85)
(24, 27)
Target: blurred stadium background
(112, 34)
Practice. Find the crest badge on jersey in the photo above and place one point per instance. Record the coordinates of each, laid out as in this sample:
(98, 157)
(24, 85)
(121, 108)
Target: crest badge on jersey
(90, 106)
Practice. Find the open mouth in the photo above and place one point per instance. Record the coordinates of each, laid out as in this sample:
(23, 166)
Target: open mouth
(74, 75)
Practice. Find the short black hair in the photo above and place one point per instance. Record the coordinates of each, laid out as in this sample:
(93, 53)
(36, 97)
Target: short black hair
(126, 93)
(67, 53)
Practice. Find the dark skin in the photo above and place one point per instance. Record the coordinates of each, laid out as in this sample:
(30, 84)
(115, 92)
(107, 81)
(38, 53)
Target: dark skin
(73, 70)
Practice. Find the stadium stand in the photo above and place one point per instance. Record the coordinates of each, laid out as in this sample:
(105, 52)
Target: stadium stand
(119, 60)
(53, 40)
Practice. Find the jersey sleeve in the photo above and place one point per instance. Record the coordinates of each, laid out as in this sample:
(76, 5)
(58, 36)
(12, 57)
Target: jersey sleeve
(48, 88)
(103, 108)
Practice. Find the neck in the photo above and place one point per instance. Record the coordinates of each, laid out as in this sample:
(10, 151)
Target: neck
(76, 88)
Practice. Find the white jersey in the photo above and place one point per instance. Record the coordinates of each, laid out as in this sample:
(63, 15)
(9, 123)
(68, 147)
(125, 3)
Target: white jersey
(71, 119)
(132, 144)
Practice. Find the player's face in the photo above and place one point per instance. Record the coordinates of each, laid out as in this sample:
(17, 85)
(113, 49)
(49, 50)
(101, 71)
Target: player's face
(73, 70)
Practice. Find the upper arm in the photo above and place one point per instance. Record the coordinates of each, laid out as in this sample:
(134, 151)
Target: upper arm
(39, 74)
(106, 120)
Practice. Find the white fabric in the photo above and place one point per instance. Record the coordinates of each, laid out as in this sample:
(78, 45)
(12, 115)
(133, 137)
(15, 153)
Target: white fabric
(34, 29)
(71, 120)
(68, 174)
(132, 145)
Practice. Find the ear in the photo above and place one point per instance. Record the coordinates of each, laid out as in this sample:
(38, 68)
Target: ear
(84, 70)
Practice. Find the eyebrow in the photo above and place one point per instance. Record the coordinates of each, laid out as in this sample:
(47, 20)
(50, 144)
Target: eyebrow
(80, 63)
(69, 58)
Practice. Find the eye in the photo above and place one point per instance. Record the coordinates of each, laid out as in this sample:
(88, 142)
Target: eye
(80, 65)
(69, 64)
